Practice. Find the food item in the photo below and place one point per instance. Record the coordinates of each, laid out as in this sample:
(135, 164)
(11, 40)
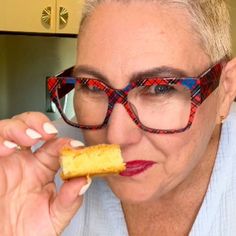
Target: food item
(89, 161)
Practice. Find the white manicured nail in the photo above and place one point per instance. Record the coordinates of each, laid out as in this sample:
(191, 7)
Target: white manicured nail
(49, 128)
(76, 143)
(85, 187)
(9, 144)
(33, 134)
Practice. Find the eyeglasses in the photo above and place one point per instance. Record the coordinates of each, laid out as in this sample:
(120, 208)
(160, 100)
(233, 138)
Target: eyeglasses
(156, 105)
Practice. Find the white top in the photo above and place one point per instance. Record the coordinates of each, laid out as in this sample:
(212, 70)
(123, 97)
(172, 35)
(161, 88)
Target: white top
(101, 213)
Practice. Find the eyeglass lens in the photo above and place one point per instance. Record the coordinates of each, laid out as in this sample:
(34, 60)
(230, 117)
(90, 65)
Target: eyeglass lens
(156, 106)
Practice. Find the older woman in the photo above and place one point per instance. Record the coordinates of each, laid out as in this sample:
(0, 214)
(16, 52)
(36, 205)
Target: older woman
(156, 78)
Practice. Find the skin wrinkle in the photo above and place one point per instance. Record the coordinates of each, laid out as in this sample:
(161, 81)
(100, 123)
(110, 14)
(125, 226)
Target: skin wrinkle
(20, 211)
(43, 152)
(210, 158)
(53, 215)
(16, 208)
(23, 175)
(7, 162)
(3, 187)
(22, 219)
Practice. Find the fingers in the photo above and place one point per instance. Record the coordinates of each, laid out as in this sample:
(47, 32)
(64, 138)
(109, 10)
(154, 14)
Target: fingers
(19, 133)
(6, 147)
(47, 155)
(24, 130)
(38, 121)
(68, 201)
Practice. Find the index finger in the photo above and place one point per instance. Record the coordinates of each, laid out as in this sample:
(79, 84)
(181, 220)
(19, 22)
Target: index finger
(39, 122)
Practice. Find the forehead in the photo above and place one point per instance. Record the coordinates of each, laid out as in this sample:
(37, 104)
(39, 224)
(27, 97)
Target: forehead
(122, 38)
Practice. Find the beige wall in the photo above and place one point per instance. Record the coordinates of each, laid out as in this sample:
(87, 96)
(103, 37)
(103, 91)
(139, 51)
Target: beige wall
(26, 61)
(3, 79)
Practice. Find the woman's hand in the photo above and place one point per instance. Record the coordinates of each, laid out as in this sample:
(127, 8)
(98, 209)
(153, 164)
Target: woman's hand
(29, 203)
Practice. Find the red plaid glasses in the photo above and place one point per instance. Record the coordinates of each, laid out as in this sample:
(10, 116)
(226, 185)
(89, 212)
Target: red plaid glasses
(156, 105)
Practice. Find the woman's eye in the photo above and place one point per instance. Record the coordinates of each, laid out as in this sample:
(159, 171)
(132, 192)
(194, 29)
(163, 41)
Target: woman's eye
(93, 89)
(87, 88)
(160, 89)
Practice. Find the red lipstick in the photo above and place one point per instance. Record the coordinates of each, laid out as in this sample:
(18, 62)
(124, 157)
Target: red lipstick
(136, 167)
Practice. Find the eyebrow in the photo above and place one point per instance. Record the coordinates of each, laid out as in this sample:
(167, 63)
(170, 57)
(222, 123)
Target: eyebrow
(163, 71)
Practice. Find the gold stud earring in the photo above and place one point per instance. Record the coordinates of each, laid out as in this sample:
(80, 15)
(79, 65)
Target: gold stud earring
(222, 119)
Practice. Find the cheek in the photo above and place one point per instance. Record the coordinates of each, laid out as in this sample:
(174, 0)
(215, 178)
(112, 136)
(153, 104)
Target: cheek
(206, 119)
(179, 153)
(183, 151)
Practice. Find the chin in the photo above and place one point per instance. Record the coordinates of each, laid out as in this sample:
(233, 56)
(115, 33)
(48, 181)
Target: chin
(133, 193)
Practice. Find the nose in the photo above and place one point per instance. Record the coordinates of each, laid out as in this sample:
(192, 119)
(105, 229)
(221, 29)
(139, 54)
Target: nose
(121, 129)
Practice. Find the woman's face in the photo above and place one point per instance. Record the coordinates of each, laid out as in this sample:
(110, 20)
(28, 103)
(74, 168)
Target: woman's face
(121, 40)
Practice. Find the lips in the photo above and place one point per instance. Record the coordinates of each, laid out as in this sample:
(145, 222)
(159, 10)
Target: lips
(136, 167)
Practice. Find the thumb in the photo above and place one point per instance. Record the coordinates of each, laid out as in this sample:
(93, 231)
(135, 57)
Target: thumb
(68, 201)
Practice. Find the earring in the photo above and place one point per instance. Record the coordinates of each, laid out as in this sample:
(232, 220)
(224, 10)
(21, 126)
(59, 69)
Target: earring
(222, 119)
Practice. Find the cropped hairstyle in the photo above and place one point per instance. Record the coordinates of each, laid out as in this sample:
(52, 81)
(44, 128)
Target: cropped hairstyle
(210, 20)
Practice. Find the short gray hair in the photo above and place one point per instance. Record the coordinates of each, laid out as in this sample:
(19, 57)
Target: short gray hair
(210, 20)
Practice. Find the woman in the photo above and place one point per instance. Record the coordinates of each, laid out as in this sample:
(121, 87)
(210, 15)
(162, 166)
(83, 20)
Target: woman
(132, 46)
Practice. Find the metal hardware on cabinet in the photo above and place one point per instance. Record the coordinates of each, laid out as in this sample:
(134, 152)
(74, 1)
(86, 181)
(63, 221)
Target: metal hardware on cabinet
(63, 17)
(46, 16)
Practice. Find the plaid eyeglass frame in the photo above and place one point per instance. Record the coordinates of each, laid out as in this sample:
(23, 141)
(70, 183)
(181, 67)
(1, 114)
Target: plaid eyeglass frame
(200, 87)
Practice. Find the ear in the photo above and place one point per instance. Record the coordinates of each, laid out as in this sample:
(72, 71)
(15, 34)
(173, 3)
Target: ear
(227, 88)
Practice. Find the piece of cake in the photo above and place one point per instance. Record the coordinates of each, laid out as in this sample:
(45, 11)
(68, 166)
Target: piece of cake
(89, 161)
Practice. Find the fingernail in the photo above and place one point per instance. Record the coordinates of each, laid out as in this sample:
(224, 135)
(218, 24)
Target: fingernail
(33, 134)
(9, 144)
(49, 128)
(85, 187)
(76, 143)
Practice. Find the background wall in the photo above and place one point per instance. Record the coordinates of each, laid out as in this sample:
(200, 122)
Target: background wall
(3, 79)
(25, 63)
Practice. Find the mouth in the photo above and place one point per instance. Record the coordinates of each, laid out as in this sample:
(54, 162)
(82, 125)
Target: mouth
(136, 167)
